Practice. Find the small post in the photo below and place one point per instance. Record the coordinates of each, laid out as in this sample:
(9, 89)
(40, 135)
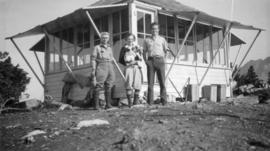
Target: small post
(174, 87)
(31, 68)
(234, 63)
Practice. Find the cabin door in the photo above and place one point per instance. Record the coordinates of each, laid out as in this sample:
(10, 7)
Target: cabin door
(144, 20)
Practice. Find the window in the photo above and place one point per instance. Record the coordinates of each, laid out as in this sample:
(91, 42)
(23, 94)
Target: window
(120, 29)
(166, 25)
(203, 43)
(217, 36)
(144, 20)
(54, 59)
(68, 47)
(83, 45)
(188, 53)
(102, 25)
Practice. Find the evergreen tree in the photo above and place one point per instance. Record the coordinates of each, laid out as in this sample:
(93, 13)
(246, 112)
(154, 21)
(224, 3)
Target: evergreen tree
(13, 80)
(251, 77)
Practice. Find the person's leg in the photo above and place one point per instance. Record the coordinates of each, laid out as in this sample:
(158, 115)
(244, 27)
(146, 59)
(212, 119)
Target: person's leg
(65, 92)
(129, 82)
(108, 85)
(160, 68)
(129, 96)
(150, 78)
(101, 74)
(137, 84)
(96, 96)
(136, 97)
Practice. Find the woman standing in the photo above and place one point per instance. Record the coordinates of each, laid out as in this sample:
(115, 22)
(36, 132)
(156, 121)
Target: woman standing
(131, 57)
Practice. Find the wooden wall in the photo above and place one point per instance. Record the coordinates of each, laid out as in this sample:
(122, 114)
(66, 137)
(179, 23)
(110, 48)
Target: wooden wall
(54, 85)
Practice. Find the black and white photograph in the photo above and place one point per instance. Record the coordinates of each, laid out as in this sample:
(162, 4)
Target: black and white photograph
(134, 75)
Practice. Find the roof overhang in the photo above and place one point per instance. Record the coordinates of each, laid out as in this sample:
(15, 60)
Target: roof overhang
(75, 18)
(174, 8)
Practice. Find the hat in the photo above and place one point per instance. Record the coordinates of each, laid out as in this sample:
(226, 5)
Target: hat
(104, 33)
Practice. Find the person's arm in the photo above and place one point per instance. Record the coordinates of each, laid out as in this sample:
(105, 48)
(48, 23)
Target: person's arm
(144, 51)
(93, 62)
(167, 48)
(170, 50)
(129, 62)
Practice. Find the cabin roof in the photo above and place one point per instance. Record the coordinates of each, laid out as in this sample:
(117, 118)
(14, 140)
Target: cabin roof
(173, 7)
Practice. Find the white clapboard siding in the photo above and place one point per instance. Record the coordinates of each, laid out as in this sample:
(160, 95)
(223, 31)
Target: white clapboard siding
(180, 73)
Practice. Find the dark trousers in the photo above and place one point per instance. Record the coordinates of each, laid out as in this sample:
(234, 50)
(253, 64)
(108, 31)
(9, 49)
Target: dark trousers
(156, 65)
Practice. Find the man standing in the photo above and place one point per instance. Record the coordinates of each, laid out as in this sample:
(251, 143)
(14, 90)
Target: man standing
(102, 70)
(155, 48)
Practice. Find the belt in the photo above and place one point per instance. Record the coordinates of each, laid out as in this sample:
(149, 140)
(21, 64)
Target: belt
(103, 61)
(155, 57)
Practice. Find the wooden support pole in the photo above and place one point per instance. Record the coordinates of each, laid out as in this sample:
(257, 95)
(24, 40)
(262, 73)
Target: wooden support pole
(234, 63)
(251, 45)
(174, 87)
(97, 31)
(31, 68)
(211, 62)
(182, 45)
(61, 56)
(40, 66)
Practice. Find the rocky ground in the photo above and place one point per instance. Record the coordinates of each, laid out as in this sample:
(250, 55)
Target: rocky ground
(236, 124)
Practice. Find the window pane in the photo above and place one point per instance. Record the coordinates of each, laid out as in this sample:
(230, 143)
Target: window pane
(140, 22)
(116, 45)
(97, 22)
(124, 20)
(203, 43)
(183, 27)
(170, 26)
(171, 45)
(68, 47)
(83, 46)
(51, 55)
(104, 24)
(217, 36)
(79, 35)
(116, 22)
(162, 19)
(124, 35)
(140, 39)
(56, 56)
(86, 36)
(148, 22)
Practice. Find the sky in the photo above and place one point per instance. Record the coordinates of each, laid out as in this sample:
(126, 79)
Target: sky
(20, 15)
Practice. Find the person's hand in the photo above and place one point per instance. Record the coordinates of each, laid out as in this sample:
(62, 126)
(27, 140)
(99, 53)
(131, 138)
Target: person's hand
(93, 73)
(94, 81)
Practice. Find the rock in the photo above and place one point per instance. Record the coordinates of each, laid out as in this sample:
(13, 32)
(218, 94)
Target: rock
(89, 123)
(123, 101)
(29, 104)
(13, 126)
(34, 133)
(153, 111)
(65, 107)
(137, 134)
(29, 138)
(163, 122)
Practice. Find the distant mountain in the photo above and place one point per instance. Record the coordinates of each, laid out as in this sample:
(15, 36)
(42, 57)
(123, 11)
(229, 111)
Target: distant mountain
(261, 67)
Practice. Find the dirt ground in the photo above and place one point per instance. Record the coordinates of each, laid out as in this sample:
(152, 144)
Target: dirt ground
(236, 124)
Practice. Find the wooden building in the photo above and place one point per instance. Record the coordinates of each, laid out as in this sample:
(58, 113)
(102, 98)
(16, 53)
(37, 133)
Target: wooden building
(202, 41)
